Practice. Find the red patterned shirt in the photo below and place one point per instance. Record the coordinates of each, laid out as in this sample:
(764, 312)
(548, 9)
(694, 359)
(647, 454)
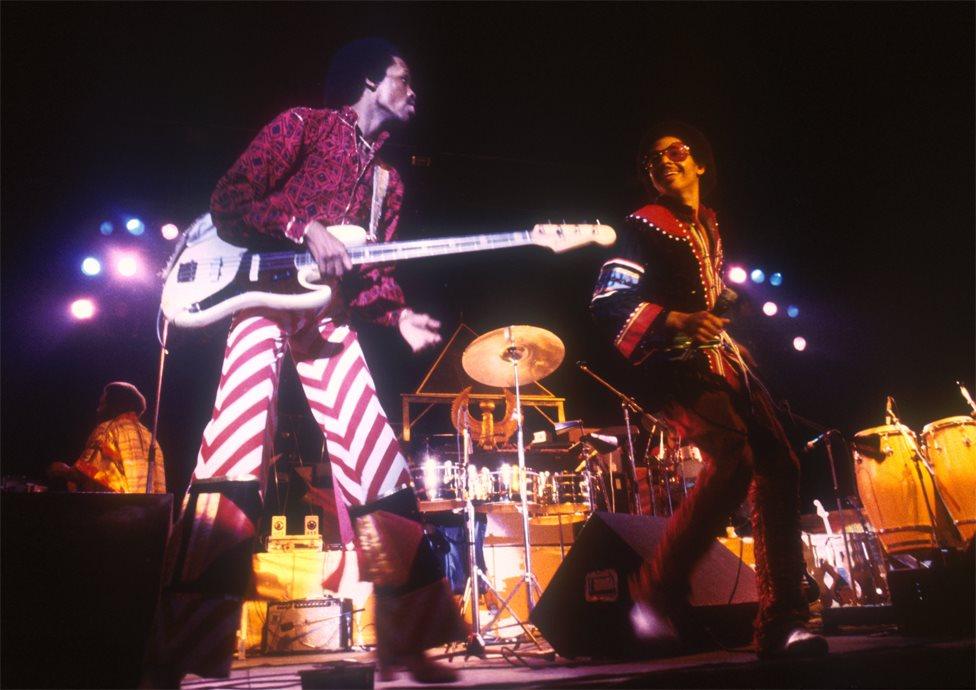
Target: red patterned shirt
(303, 166)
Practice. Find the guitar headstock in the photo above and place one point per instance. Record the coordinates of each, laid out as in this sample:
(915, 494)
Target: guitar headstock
(561, 237)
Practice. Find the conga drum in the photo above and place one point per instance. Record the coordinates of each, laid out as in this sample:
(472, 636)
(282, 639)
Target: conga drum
(898, 499)
(951, 448)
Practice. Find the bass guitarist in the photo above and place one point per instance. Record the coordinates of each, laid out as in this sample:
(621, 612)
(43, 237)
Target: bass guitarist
(308, 169)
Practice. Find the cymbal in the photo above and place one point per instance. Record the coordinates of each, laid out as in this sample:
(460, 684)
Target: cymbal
(488, 359)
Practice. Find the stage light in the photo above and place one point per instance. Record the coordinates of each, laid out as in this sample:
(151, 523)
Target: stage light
(91, 266)
(83, 309)
(737, 274)
(135, 226)
(792, 311)
(170, 231)
(770, 309)
(776, 279)
(799, 343)
(127, 265)
(106, 228)
(757, 275)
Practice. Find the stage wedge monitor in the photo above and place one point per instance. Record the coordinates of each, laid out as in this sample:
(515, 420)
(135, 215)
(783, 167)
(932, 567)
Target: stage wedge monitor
(585, 610)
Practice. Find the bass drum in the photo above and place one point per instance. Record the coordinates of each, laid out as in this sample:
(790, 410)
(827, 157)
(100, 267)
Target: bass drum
(899, 507)
(951, 448)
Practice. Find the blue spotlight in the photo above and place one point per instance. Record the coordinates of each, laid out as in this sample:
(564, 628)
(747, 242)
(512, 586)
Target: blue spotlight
(91, 266)
(792, 311)
(757, 275)
(135, 226)
(106, 228)
(776, 279)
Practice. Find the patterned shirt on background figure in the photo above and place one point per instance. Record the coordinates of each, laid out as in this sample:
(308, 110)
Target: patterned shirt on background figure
(116, 456)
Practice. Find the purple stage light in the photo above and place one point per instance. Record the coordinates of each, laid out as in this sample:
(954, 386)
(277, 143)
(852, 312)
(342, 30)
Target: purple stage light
(799, 343)
(737, 274)
(127, 265)
(82, 309)
(770, 309)
(169, 231)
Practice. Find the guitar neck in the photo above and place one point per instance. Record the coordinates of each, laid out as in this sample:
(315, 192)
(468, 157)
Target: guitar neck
(417, 249)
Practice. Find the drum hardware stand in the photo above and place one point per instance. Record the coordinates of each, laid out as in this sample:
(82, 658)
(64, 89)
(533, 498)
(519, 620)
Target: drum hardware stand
(494, 359)
(475, 643)
(513, 354)
(627, 404)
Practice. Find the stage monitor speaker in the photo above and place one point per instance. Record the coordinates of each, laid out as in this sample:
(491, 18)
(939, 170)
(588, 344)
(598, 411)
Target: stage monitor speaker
(585, 611)
(81, 577)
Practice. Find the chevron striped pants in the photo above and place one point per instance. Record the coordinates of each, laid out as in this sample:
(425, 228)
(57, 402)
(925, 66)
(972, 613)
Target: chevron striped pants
(194, 630)
(366, 459)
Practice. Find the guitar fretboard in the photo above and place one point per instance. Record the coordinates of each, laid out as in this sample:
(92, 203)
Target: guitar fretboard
(416, 249)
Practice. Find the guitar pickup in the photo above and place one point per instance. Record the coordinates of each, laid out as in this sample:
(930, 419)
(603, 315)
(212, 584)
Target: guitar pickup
(187, 272)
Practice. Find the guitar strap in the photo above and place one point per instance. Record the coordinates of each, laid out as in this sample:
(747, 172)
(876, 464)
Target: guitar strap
(381, 180)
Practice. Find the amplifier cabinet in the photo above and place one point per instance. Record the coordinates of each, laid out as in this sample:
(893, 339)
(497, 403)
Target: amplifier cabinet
(308, 625)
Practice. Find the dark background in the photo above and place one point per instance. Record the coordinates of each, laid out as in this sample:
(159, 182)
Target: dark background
(843, 135)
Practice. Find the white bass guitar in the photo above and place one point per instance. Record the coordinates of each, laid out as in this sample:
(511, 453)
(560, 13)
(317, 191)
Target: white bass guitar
(208, 279)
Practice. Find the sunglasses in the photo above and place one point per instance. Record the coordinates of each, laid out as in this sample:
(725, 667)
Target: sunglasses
(676, 152)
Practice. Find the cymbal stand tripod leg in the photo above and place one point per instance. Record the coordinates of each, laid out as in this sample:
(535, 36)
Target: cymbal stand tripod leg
(513, 355)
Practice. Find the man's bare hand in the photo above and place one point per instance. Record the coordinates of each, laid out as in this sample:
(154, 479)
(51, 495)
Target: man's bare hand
(419, 330)
(701, 326)
(329, 253)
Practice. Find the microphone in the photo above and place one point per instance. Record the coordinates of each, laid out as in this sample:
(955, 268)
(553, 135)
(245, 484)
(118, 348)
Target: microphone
(725, 300)
(813, 443)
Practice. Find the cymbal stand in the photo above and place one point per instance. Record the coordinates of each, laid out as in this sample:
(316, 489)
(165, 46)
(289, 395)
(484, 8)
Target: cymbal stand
(513, 354)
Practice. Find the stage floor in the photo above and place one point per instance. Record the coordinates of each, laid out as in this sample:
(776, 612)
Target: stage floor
(877, 658)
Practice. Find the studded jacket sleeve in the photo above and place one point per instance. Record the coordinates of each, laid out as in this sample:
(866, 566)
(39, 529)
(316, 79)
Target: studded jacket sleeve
(623, 304)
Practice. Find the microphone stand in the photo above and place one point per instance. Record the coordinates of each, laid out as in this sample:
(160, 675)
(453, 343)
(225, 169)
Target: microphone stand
(628, 405)
(151, 458)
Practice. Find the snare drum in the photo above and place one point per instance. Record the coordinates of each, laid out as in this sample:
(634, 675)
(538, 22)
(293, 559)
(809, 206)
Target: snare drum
(888, 481)
(565, 493)
(503, 494)
(438, 486)
(951, 447)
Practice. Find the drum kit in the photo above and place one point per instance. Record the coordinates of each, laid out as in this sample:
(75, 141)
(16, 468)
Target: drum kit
(510, 358)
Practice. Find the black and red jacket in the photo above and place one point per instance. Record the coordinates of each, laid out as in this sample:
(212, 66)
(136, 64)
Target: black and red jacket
(664, 261)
